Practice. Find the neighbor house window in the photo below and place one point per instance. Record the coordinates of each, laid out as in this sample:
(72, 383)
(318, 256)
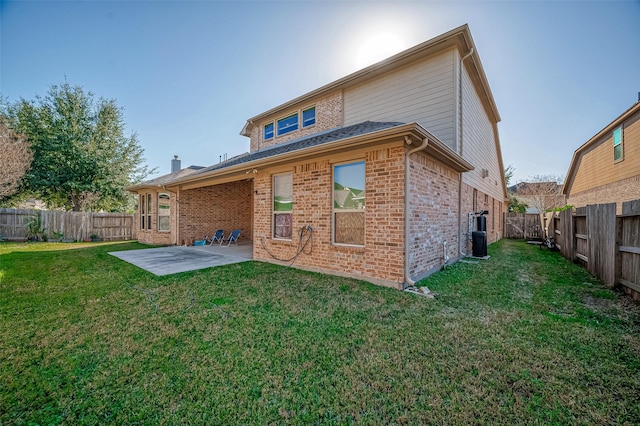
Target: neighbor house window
(164, 210)
(348, 203)
(288, 124)
(282, 206)
(309, 117)
(617, 144)
(268, 131)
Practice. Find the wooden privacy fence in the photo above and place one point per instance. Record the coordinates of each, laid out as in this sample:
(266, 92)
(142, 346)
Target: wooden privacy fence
(606, 244)
(522, 226)
(77, 226)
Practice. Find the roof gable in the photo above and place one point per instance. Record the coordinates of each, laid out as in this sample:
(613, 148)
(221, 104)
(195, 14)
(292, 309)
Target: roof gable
(166, 179)
(596, 140)
(459, 37)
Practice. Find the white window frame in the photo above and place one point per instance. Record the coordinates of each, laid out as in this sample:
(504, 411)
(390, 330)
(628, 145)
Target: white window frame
(264, 131)
(620, 143)
(297, 125)
(315, 117)
(164, 212)
(149, 210)
(275, 212)
(335, 210)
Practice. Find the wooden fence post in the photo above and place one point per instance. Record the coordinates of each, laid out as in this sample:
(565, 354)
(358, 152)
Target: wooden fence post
(602, 231)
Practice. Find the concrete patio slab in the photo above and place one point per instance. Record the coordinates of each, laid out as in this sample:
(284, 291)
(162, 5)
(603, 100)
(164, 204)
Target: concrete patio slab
(171, 260)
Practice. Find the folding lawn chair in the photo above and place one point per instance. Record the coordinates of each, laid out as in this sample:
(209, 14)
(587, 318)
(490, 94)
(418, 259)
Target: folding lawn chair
(218, 237)
(233, 237)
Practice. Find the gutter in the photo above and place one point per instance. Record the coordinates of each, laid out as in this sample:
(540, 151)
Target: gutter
(407, 206)
(440, 151)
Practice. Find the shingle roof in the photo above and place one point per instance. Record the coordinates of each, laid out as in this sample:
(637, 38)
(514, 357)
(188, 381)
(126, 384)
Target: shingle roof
(316, 139)
(170, 177)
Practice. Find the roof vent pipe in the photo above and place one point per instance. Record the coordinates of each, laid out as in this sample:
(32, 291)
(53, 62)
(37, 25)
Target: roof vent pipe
(175, 164)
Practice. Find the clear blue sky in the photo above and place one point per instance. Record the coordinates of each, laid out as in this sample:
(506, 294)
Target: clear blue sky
(189, 73)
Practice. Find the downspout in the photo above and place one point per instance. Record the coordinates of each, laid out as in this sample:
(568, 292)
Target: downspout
(407, 194)
(460, 131)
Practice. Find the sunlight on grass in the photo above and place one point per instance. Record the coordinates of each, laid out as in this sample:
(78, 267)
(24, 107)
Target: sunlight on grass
(524, 338)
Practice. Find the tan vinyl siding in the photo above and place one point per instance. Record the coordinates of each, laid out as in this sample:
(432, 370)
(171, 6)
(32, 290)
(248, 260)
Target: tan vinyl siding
(597, 167)
(421, 92)
(479, 143)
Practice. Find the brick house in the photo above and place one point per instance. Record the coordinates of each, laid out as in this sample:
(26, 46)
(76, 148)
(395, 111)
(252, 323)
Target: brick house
(606, 169)
(385, 166)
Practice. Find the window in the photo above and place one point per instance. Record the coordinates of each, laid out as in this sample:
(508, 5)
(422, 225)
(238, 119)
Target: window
(164, 210)
(348, 203)
(145, 211)
(288, 124)
(282, 206)
(268, 131)
(149, 211)
(617, 144)
(309, 117)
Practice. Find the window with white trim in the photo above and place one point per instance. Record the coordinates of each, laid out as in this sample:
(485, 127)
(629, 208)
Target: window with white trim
(618, 152)
(164, 212)
(288, 124)
(282, 206)
(145, 211)
(349, 203)
(149, 211)
(268, 131)
(309, 117)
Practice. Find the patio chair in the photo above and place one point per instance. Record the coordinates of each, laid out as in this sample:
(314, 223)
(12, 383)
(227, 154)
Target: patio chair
(232, 238)
(217, 237)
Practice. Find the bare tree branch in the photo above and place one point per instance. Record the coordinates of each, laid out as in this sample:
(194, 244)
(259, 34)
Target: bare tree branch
(15, 159)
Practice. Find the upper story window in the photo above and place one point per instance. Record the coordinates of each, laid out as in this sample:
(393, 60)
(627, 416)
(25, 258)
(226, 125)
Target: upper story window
(268, 131)
(288, 124)
(618, 153)
(349, 203)
(164, 212)
(309, 117)
(301, 119)
(282, 206)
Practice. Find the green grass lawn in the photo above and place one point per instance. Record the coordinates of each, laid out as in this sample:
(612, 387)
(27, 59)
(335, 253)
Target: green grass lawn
(523, 338)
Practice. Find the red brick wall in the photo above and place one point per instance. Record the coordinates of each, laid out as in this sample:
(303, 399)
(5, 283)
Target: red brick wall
(226, 206)
(617, 192)
(381, 259)
(433, 214)
(153, 236)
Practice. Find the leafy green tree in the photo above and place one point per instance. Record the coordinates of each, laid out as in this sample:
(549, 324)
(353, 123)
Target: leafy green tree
(82, 159)
(517, 207)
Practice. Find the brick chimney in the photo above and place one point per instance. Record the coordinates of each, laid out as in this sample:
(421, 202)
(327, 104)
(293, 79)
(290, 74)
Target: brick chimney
(175, 164)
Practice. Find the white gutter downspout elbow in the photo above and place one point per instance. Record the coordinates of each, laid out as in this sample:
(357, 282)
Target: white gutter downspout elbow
(407, 205)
